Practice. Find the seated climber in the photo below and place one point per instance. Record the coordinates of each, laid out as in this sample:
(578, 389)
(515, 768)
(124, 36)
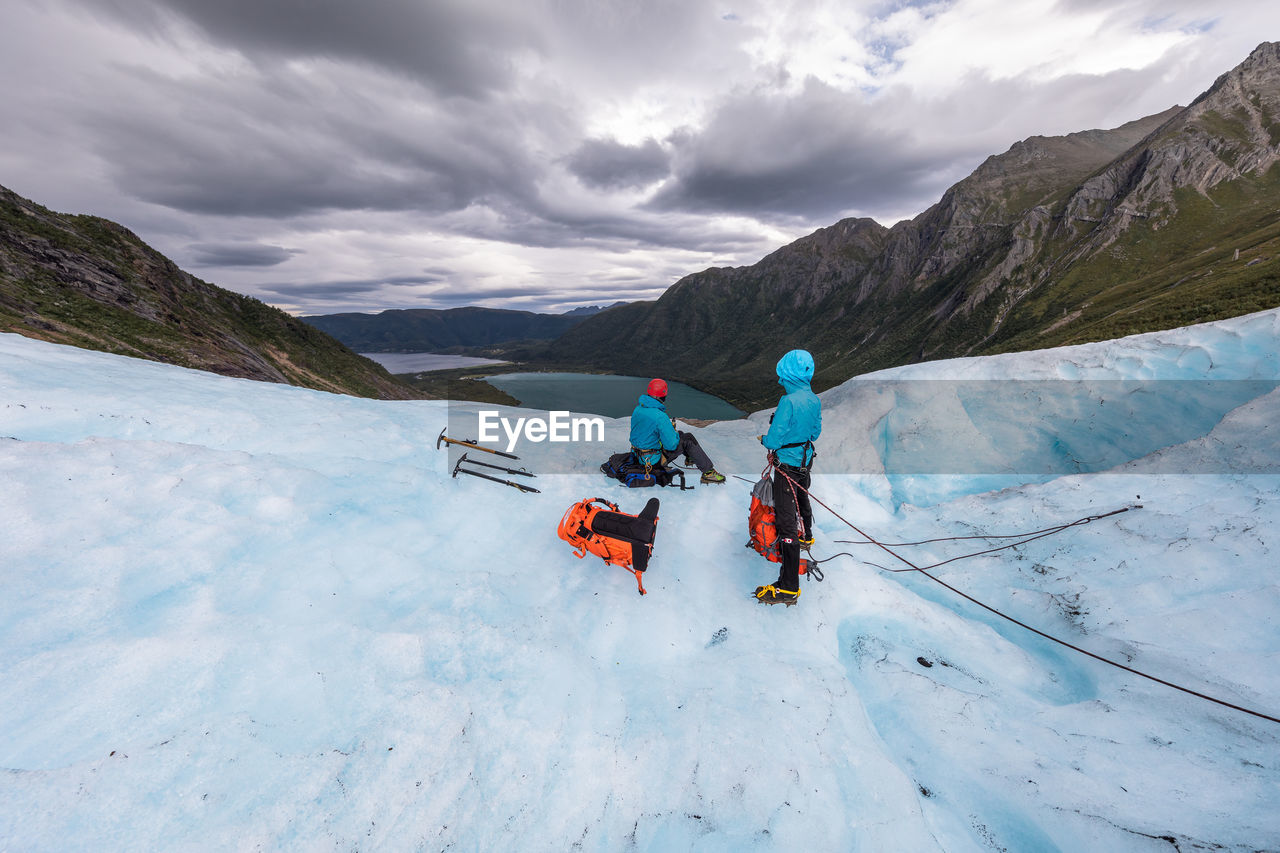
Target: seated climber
(655, 440)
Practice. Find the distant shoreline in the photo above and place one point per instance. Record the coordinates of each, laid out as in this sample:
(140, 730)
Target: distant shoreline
(427, 362)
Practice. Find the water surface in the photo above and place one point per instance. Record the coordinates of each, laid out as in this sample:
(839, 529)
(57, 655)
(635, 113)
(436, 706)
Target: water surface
(415, 362)
(611, 396)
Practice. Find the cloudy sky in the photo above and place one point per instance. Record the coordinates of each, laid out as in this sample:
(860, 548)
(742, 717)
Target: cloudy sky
(332, 155)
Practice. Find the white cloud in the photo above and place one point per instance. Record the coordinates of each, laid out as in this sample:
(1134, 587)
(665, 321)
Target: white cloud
(812, 41)
(1033, 40)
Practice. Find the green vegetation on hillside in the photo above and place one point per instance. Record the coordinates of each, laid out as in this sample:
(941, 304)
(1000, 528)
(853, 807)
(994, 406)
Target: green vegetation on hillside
(88, 282)
(1167, 274)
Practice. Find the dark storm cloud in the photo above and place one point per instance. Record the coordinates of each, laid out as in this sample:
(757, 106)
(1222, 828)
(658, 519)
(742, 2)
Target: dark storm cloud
(263, 149)
(339, 289)
(822, 153)
(540, 223)
(605, 295)
(608, 164)
(505, 295)
(815, 154)
(287, 144)
(341, 296)
(280, 141)
(239, 254)
(457, 48)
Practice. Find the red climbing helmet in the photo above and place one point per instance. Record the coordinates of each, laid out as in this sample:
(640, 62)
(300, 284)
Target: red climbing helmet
(657, 389)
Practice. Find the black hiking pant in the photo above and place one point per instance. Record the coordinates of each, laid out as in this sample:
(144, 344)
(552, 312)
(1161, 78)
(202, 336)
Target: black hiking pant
(793, 515)
(692, 452)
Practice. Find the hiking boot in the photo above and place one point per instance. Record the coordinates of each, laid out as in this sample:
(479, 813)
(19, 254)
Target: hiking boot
(773, 595)
(712, 476)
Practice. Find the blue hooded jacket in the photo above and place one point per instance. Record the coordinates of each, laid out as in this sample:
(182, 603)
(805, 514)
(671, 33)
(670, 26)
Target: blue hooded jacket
(651, 429)
(799, 415)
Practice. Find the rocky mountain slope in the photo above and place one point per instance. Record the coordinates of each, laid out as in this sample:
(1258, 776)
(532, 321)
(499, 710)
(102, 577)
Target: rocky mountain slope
(1162, 222)
(91, 283)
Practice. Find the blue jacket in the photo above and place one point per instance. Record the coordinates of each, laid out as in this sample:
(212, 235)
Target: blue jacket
(799, 415)
(651, 429)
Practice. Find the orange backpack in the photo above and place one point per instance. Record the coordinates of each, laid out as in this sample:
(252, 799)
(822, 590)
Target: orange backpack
(763, 528)
(762, 524)
(618, 538)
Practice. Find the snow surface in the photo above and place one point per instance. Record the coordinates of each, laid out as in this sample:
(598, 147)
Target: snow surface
(237, 615)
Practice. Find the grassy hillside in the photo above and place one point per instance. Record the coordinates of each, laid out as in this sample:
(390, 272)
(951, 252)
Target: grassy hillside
(88, 282)
(1219, 257)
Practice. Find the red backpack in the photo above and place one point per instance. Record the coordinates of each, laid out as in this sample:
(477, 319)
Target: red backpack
(618, 538)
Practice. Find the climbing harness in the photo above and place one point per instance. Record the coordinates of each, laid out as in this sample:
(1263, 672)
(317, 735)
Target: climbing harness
(808, 455)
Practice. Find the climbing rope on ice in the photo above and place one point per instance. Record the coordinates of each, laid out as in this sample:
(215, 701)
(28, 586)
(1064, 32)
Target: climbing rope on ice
(1023, 538)
(911, 567)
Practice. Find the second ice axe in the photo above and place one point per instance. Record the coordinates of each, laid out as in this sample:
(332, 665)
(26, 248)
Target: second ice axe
(471, 444)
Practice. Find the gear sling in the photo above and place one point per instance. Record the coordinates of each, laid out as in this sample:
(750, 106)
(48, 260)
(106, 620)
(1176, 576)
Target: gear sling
(618, 538)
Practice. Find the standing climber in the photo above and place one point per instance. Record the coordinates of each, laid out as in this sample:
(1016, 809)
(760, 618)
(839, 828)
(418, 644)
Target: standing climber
(654, 438)
(792, 430)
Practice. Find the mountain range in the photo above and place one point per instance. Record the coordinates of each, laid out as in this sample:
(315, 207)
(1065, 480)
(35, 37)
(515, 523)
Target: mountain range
(440, 330)
(1159, 223)
(92, 283)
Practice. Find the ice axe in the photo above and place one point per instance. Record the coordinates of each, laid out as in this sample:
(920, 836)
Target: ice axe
(521, 471)
(458, 469)
(471, 444)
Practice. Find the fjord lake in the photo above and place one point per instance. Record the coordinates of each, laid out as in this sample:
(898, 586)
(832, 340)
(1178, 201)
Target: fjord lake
(589, 393)
(611, 396)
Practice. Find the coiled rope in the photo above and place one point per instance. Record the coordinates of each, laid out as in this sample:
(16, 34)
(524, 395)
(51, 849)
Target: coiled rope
(888, 549)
